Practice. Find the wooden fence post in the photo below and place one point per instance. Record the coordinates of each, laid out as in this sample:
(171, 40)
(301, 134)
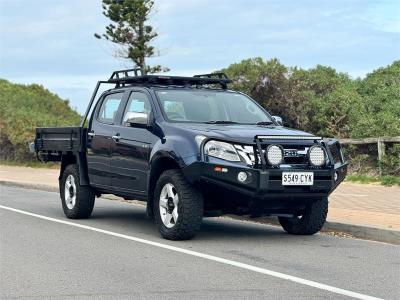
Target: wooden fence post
(381, 154)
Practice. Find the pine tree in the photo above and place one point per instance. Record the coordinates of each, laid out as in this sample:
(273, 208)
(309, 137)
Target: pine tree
(129, 28)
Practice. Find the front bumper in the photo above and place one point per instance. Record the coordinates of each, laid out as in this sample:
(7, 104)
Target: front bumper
(266, 184)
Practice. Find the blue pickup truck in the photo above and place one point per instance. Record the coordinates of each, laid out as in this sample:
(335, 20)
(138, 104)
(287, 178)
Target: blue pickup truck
(191, 148)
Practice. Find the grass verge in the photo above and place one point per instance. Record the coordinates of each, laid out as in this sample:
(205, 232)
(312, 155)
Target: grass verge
(384, 180)
(30, 164)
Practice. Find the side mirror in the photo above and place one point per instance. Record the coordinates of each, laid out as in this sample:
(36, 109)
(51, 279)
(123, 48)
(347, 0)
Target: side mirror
(278, 120)
(135, 119)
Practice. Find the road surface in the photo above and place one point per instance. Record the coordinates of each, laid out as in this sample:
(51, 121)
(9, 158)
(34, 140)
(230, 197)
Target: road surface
(118, 253)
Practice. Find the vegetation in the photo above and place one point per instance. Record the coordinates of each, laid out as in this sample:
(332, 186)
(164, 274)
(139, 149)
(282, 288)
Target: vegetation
(129, 29)
(23, 108)
(322, 100)
(384, 180)
(331, 104)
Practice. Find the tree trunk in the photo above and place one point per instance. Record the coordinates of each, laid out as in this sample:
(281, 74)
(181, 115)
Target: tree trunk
(141, 39)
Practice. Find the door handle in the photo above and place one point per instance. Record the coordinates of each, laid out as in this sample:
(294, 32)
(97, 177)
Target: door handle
(91, 133)
(116, 137)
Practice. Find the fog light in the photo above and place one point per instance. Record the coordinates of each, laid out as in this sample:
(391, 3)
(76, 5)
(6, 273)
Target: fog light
(274, 155)
(316, 156)
(335, 176)
(242, 176)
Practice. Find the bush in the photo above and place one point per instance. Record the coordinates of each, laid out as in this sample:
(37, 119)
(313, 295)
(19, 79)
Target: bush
(23, 108)
(322, 100)
(390, 163)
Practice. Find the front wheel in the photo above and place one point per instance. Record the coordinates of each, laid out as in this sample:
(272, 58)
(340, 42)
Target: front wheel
(77, 200)
(178, 206)
(310, 221)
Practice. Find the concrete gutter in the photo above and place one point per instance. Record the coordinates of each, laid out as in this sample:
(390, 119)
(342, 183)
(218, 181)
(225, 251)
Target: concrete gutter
(365, 232)
(340, 230)
(33, 186)
(331, 228)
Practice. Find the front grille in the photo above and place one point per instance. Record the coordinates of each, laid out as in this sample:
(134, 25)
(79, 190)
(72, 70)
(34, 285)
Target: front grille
(295, 154)
(295, 160)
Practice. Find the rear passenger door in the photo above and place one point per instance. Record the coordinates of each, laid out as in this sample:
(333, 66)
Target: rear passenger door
(100, 138)
(130, 152)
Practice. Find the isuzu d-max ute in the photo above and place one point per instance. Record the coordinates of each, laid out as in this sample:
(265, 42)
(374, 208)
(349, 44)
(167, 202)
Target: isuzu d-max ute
(191, 148)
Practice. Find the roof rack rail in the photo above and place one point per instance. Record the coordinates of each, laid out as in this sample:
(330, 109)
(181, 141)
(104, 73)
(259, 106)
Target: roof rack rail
(219, 75)
(137, 75)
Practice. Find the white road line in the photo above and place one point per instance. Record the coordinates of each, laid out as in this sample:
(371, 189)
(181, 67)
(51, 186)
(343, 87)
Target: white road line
(354, 195)
(237, 264)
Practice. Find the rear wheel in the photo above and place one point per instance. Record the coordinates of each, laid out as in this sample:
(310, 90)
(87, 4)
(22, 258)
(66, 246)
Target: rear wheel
(310, 221)
(178, 206)
(77, 200)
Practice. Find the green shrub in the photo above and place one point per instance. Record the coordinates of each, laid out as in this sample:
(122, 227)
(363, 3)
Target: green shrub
(23, 108)
(390, 162)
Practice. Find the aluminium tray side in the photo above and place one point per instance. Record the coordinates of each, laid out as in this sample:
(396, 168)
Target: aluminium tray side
(60, 139)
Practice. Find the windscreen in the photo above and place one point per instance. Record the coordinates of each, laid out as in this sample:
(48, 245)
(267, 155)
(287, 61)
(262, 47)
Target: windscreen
(201, 106)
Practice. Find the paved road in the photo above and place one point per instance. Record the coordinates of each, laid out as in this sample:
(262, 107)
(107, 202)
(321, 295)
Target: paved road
(119, 254)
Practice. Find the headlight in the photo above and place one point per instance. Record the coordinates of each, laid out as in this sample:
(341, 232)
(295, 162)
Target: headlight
(317, 156)
(274, 155)
(221, 150)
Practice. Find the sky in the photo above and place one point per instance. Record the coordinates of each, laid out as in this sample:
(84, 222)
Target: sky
(52, 43)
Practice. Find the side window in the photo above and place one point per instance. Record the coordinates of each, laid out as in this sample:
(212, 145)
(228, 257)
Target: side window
(109, 108)
(138, 106)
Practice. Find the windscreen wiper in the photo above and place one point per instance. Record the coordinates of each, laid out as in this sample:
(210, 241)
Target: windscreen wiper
(221, 122)
(264, 123)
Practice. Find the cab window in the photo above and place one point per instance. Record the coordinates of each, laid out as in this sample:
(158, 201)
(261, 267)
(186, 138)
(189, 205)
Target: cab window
(109, 108)
(138, 106)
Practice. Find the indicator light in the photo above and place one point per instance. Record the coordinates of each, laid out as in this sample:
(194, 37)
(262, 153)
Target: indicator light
(220, 169)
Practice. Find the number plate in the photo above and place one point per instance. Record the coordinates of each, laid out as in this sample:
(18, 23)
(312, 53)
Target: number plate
(297, 178)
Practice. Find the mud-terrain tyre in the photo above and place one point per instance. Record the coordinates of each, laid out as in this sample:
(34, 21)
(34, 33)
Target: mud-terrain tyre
(77, 200)
(177, 207)
(310, 222)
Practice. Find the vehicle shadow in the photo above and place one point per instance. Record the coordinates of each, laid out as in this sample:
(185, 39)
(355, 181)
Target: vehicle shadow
(133, 218)
(217, 228)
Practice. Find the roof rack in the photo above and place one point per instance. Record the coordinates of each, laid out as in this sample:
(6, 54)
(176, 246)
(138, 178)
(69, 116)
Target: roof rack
(132, 76)
(136, 71)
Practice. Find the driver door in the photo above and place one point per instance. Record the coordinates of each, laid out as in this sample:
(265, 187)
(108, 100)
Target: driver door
(131, 151)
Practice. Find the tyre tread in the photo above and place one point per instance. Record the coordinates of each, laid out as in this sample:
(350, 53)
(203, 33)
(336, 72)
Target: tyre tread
(312, 221)
(191, 201)
(85, 197)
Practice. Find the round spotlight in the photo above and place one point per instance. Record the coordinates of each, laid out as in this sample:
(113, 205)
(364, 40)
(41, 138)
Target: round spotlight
(274, 155)
(317, 156)
(242, 176)
(336, 176)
